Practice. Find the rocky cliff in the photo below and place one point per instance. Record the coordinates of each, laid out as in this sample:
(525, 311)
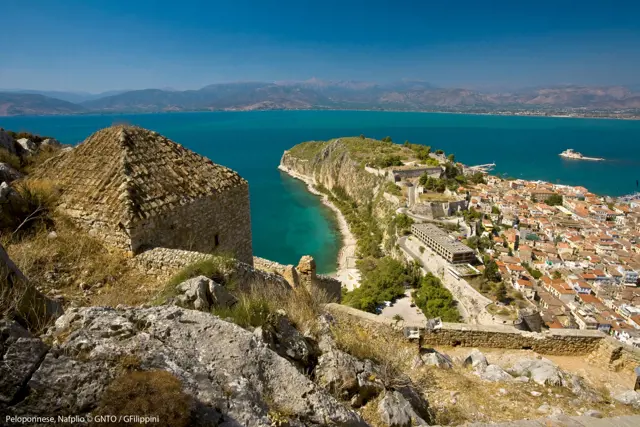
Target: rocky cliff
(339, 166)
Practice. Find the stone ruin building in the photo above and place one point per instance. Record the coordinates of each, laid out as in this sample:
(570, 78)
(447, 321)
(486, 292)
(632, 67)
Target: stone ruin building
(138, 190)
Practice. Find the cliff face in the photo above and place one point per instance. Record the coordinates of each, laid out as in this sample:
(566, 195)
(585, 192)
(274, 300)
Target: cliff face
(332, 166)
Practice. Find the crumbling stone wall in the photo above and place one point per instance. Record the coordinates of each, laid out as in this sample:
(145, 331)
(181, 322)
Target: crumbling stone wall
(559, 342)
(616, 356)
(218, 223)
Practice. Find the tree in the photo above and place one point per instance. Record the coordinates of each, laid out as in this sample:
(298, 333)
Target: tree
(491, 272)
(421, 249)
(387, 139)
(439, 152)
(500, 292)
(361, 136)
(451, 157)
(495, 210)
(554, 200)
(557, 275)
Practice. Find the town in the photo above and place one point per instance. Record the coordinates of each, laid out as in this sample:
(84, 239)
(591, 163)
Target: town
(528, 253)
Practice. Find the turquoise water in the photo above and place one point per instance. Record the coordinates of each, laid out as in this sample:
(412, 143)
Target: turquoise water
(289, 222)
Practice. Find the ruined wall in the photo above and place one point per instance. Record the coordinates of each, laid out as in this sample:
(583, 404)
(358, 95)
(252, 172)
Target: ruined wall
(164, 263)
(194, 226)
(616, 356)
(559, 342)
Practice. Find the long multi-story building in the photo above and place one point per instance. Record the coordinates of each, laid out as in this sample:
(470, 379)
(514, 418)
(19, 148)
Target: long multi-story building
(451, 250)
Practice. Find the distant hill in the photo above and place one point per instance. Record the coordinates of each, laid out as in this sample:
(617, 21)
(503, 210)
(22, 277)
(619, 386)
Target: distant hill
(319, 94)
(17, 104)
(75, 97)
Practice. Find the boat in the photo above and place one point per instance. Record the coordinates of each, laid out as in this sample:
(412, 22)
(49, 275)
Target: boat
(572, 154)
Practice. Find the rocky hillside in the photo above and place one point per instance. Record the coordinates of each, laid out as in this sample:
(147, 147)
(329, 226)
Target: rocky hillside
(22, 104)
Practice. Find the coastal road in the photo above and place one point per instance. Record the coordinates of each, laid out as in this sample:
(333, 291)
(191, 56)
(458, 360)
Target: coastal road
(471, 303)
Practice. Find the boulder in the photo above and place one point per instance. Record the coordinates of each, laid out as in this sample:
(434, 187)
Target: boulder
(549, 410)
(495, 373)
(337, 371)
(432, 357)
(220, 296)
(27, 145)
(593, 413)
(541, 371)
(629, 397)
(194, 293)
(229, 375)
(283, 338)
(202, 293)
(6, 142)
(8, 173)
(396, 411)
(476, 360)
(21, 354)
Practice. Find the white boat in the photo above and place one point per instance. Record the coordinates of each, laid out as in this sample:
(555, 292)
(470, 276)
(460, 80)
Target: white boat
(572, 154)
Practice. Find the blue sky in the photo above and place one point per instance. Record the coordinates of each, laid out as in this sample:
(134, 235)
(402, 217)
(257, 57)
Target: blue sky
(96, 45)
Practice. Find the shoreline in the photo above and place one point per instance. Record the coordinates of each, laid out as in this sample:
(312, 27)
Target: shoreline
(348, 240)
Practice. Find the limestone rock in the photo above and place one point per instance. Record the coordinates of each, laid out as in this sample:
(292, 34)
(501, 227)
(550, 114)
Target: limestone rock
(6, 142)
(220, 296)
(283, 338)
(202, 293)
(194, 293)
(21, 354)
(8, 173)
(338, 372)
(476, 360)
(221, 365)
(541, 371)
(629, 397)
(432, 357)
(495, 373)
(27, 145)
(549, 410)
(396, 411)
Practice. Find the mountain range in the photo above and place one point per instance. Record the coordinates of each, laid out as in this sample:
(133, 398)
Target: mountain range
(319, 94)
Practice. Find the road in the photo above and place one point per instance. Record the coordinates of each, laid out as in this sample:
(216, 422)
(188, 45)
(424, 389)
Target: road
(402, 306)
(471, 303)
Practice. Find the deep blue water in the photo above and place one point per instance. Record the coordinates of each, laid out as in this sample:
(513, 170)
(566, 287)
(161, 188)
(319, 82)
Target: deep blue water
(288, 222)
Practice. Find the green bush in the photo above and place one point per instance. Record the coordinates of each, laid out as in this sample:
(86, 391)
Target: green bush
(382, 280)
(435, 300)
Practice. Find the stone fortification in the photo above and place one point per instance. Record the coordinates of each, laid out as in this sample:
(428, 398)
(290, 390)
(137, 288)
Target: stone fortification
(139, 190)
(559, 342)
(304, 274)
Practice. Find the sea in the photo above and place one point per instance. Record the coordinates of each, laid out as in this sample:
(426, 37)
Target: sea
(289, 222)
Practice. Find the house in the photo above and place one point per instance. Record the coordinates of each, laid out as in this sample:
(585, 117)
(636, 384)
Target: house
(138, 190)
(629, 276)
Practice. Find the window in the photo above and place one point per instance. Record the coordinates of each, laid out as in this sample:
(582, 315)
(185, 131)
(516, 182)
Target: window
(216, 240)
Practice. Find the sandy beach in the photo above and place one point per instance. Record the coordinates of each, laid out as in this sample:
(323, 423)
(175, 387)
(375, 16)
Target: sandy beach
(347, 274)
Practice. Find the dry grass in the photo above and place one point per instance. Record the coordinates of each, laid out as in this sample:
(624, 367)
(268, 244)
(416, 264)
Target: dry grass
(302, 305)
(63, 263)
(148, 393)
(10, 159)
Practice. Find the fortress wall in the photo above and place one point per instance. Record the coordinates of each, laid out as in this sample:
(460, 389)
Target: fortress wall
(194, 226)
(558, 342)
(618, 356)
(164, 263)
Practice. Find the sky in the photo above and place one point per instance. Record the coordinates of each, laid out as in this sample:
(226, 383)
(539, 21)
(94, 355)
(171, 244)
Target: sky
(100, 45)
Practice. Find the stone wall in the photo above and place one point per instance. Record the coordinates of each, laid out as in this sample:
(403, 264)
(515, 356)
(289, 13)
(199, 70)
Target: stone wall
(616, 355)
(164, 263)
(195, 226)
(558, 342)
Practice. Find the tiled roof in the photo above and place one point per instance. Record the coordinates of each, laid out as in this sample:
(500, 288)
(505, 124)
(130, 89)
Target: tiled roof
(122, 174)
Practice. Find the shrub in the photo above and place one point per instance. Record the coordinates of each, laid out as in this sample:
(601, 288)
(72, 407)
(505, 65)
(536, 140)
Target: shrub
(435, 300)
(148, 393)
(302, 306)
